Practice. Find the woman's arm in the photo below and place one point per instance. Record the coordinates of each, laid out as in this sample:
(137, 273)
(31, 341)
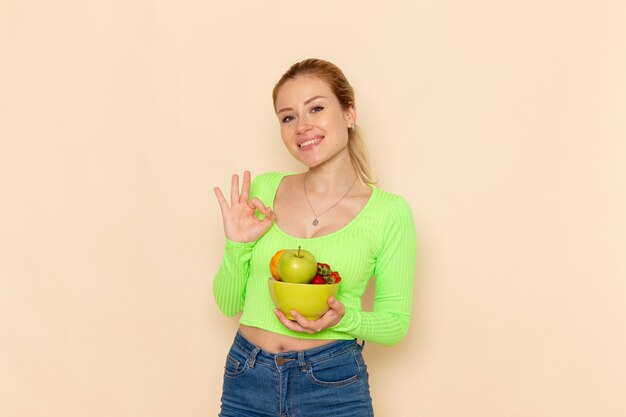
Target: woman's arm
(242, 229)
(394, 273)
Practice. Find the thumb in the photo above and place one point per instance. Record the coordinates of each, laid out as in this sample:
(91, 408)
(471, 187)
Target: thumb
(269, 218)
(269, 214)
(334, 304)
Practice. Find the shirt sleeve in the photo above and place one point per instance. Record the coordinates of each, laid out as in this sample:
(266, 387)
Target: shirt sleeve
(394, 274)
(229, 284)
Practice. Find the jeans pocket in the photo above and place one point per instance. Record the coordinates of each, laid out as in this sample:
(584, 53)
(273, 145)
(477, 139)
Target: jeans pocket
(336, 371)
(236, 363)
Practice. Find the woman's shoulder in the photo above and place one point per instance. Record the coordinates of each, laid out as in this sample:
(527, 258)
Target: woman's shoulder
(265, 183)
(270, 178)
(388, 199)
(389, 208)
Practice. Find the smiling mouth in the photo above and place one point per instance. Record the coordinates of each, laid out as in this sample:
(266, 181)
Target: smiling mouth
(310, 142)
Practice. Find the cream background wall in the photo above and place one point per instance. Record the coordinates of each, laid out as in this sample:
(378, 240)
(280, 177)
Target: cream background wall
(501, 122)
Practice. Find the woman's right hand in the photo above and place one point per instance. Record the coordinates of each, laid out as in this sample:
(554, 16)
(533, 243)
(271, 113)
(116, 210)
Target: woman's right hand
(240, 223)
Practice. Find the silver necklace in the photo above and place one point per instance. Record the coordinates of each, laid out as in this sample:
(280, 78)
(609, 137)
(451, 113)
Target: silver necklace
(317, 216)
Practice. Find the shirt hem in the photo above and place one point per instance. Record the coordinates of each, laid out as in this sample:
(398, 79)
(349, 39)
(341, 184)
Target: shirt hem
(325, 334)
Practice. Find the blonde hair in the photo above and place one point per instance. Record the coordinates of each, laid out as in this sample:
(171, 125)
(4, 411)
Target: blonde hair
(334, 77)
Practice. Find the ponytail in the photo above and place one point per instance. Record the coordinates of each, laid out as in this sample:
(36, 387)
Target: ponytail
(359, 157)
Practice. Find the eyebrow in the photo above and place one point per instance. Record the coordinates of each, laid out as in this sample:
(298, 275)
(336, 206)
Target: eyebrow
(305, 103)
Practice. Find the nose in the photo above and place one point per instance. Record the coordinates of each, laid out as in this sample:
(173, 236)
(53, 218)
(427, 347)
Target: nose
(303, 126)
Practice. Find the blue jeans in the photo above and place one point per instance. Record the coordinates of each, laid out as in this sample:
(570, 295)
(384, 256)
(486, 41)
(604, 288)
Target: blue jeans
(330, 380)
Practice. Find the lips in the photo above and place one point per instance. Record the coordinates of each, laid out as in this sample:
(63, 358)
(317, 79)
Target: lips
(310, 142)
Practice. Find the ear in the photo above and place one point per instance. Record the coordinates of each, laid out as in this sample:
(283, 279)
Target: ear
(349, 115)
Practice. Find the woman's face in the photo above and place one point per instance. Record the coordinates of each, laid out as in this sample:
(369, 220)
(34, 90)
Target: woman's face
(313, 125)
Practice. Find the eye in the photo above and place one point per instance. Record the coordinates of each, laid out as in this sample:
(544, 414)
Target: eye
(287, 119)
(316, 109)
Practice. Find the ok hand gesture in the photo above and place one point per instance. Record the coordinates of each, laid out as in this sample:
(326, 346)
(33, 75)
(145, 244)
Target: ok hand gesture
(240, 224)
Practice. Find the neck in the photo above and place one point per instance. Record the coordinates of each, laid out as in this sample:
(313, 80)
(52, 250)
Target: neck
(331, 177)
(329, 183)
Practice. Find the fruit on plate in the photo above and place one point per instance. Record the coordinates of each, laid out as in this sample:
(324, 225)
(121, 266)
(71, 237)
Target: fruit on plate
(323, 269)
(318, 280)
(292, 272)
(335, 277)
(297, 265)
(274, 264)
(326, 274)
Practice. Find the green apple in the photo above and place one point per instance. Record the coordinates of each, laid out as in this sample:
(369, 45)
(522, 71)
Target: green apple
(297, 266)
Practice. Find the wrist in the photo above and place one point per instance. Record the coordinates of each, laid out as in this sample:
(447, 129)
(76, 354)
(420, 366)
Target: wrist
(235, 244)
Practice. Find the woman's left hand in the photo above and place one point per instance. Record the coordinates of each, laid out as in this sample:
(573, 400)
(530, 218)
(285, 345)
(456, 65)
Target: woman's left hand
(329, 319)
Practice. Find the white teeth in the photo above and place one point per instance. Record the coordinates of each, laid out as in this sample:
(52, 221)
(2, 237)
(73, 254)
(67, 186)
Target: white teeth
(309, 142)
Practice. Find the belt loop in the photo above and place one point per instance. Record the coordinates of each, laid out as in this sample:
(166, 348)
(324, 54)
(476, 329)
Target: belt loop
(301, 360)
(362, 344)
(252, 358)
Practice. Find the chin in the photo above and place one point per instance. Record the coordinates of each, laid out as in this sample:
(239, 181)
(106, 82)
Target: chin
(309, 160)
(313, 162)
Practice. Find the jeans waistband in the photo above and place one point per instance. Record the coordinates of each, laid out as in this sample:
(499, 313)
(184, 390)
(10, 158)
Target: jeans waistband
(297, 358)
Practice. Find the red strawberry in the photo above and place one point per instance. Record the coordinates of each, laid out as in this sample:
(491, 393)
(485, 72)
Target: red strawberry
(318, 279)
(323, 269)
(335, 277)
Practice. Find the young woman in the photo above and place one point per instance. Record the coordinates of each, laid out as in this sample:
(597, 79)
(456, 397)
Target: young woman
(279, 367)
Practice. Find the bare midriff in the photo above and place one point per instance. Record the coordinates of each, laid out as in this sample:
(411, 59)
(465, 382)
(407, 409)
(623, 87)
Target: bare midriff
(276, 343)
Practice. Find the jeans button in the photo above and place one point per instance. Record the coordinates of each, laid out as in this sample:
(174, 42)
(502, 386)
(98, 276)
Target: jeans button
(280, 361)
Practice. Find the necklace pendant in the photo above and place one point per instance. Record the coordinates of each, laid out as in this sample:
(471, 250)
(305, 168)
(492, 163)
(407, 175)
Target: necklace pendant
(316, 222)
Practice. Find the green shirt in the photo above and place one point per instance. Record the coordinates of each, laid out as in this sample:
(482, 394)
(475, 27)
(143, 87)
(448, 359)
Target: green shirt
(379, 242)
